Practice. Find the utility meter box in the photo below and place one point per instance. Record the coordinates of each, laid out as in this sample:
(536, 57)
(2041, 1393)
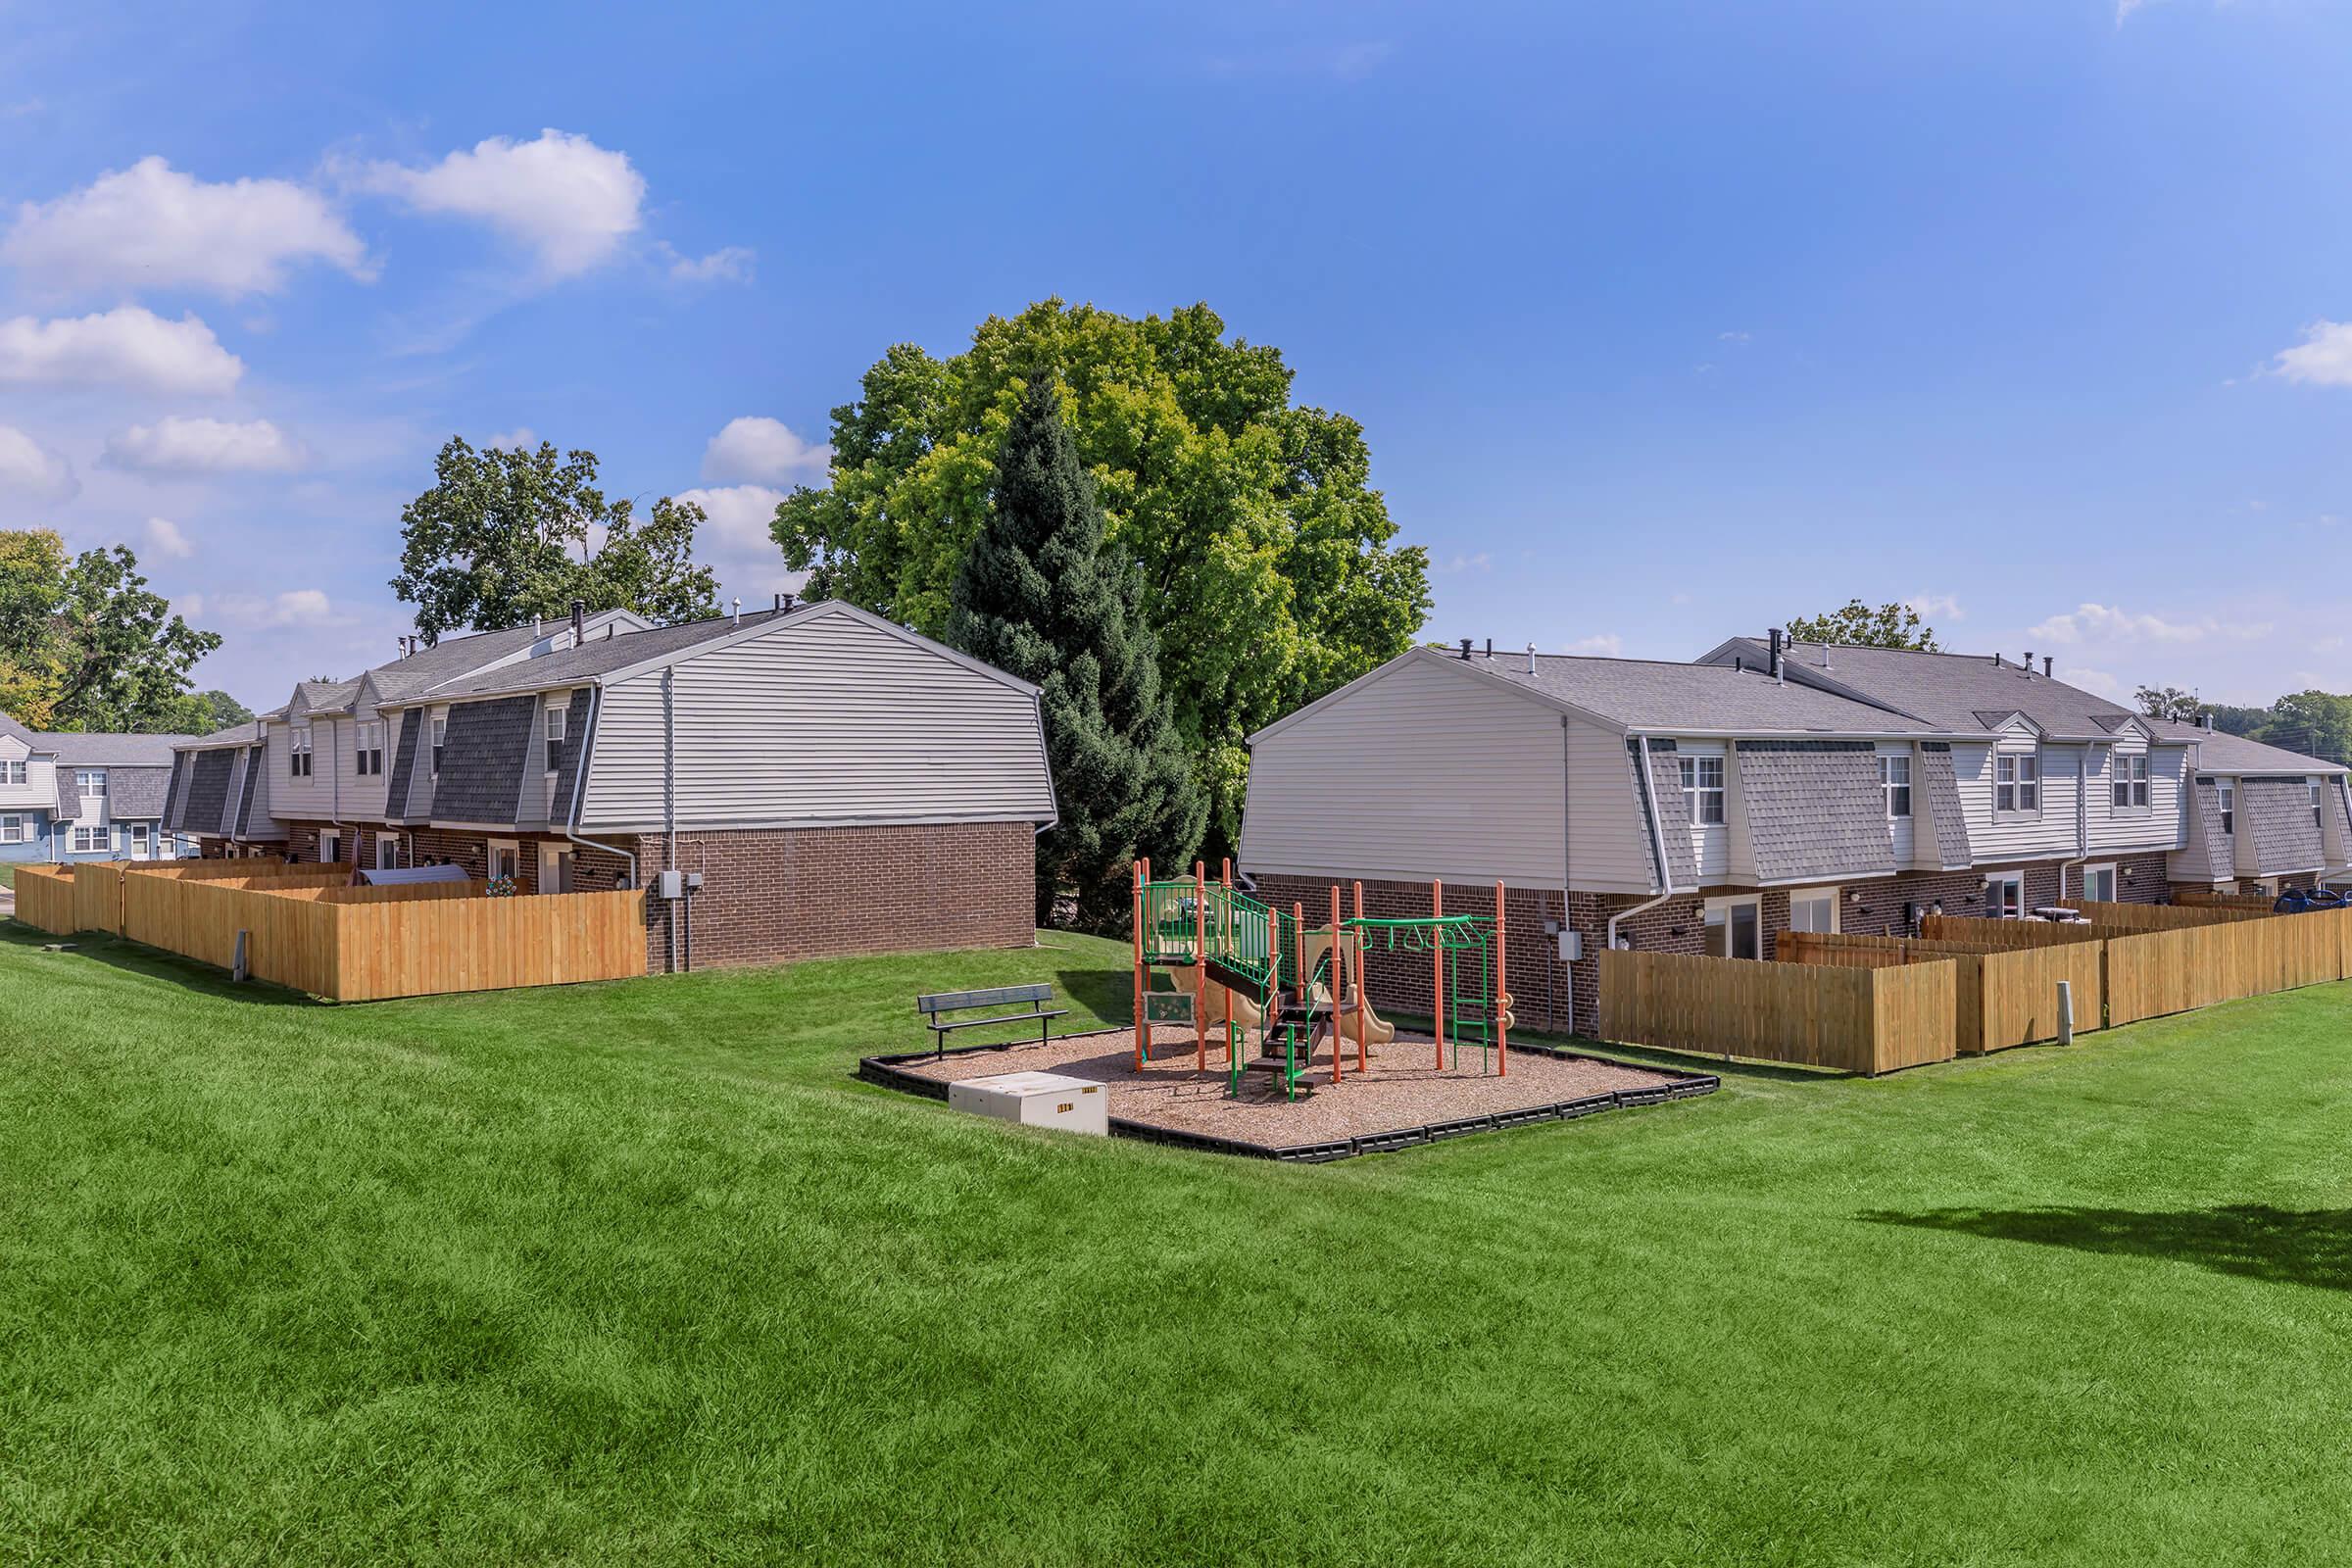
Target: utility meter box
(1037, 1100)
(1572, 947)
(670, 884)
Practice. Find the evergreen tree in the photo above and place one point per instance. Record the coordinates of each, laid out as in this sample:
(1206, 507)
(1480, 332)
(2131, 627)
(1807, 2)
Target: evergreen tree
(1043, 596)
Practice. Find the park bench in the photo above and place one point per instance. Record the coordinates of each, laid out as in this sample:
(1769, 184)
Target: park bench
(936, 1005)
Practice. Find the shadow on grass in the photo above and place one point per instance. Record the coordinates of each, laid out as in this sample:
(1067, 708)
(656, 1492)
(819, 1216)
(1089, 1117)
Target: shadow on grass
(1107, 994)
(2283, 1245)
(154, 963)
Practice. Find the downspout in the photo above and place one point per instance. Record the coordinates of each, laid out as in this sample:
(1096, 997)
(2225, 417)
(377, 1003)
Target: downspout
(2082, 815)
(1567, 868)
(334, 795)
(669, 801)
(1657, 841)
(579, 787)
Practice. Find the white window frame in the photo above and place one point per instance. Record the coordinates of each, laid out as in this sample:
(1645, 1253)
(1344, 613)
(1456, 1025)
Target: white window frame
(1897, 791)
(368, 748)
(2091, 873)
(2017, 780)
(2009, 903)
(298, 752)
(440, 739)
(90, 840)
(90, 783)
(2128, 790)
(330, 847)
(556, 858)
(509, 847)
(13, 770)
(13, 829)
(2227, 790)
(387, 852)
(1718, 911)
(558, 717)
(1702, 790)
(1813, 895)
(2318, 805)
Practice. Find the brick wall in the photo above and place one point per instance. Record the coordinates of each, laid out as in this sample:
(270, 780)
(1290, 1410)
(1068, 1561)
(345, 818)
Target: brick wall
(775, 895)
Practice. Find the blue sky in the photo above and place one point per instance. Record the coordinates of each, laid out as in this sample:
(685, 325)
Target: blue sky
(1665, 321)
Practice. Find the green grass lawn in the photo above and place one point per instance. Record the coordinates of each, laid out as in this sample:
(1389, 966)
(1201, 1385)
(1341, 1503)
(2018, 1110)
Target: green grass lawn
(637, 1273)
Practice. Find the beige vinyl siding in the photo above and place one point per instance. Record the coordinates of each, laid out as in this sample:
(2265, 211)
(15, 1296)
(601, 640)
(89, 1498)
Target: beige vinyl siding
(2160, 826)
(828, 719)
(1999, 837)
(1423, 773)
(312, 798)
(39, 789)
(362, 796)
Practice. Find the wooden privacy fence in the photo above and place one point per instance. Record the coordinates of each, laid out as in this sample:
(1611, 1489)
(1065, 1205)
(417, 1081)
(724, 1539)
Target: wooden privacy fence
(2202, 899)
(1865, 1020)
(315, 933)
(2004, 934)
(103, 889)
(2002, 996)
(2163, 918)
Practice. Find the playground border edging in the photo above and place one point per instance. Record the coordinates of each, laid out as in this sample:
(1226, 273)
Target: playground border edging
(886, 1071)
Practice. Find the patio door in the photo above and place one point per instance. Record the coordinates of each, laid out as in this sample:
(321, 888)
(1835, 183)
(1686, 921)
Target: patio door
(139, 848)
(1734, 928)
(555, 866)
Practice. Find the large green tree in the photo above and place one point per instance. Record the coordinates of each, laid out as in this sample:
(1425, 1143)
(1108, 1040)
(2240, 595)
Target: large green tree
(1267, 558)
(84, 644)
(1856, 624)
(1042, 593)
(2316, 723)
(505, 534)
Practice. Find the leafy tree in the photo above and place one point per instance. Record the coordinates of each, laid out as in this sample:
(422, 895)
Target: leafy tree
(84, 645)
(1269, 572)
(1857, 626)
(504, 535)
(2236, 720)
(2168, 701)
(202, 713)
(2316, 723)
(1044, 596)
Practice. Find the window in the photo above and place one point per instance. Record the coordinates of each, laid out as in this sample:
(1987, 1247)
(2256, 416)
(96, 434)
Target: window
(298, 752)
(368, 755)
(11, 830)
(2229, 789)
(2005, 897)
(506, 859)
(387, 852)
(2319, 815)
(330, 847)
(1702, 790)
(12, 772)
(138, 841)
(2098, 883)
(1813, 909)
(1734, 930)
(90, 781)
(90, 840)
(554, 752)
(1895, 777)
(440, 740)
(2017, 782)
(2130, 786)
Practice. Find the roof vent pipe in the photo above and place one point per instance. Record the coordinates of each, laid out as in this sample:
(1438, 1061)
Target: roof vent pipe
(1776, 634)
(2028, 665)
(2046, 663)
(2208, 720)
(1490, 647)
(1530, 658)
(788, 602)
(739, 612)
(579, 621)
(1466, 650)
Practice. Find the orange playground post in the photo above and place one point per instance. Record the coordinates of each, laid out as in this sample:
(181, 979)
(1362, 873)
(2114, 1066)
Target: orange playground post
(1503, 990)
(1143, 880)
(1339, 971)
(1436, 983)
(1201, 964)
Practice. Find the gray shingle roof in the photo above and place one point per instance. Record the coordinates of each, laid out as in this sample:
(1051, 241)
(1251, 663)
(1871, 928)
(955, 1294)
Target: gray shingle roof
(111, 751)
(2220, 751)
(1673, 814)
(601, 656)
(208, 792)
(2220, 855)
(322, 696)
(1815, 809)
(489, 744)
(1695, 699)
(1940, 795)
(137, 793)
(2287, 834)
(1961, 692)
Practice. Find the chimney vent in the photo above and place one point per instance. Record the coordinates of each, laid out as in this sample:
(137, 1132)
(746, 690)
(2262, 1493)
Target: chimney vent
(2046, 663)
(1997, 662)
(579, 621)
(1490, 647)
(1466, 650)
(1776, 635)
(1530, 658)
(738, 612)
(2028, 666)
(787, 602)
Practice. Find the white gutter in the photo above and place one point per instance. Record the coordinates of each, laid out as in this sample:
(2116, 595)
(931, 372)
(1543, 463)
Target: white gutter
(1657, 840)
(579, 787)
(2081, 814)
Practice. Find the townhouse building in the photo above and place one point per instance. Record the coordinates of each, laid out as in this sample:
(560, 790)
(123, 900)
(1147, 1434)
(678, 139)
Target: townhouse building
(805, 780)
(83, 796)
(1708, 806)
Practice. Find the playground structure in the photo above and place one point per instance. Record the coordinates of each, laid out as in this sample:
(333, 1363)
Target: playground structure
(1208, 954)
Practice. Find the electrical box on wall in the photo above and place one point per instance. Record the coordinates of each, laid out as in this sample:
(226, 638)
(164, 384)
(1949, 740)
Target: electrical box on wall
(1572, 947)
(670, 884)
(694, 881)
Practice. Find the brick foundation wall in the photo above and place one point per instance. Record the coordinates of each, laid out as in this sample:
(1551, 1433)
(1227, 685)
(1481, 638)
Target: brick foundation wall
(775, 895)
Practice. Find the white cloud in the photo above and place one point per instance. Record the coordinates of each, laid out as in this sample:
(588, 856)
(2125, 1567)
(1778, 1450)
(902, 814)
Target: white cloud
(1732, 337)
(1937, 604)
(522, 438)
(152, 226)
(566, 200)
(2323, 359)
(1601, 645)
(296, 606)
(163, 537)
(739, 517)
(127, 346)
(1482, 561)
(756, 450)
(179, 445)
(2329, 644)
(2092, 680)
(729, 264)
(2106, 624)
(26, 467)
